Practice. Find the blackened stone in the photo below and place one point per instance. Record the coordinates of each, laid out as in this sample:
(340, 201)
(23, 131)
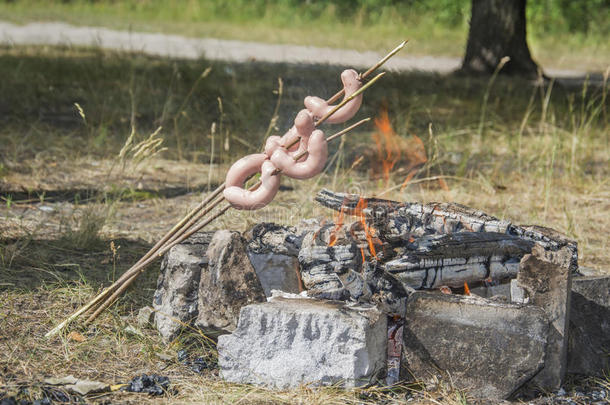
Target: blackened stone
(589, 341)
(227, 283)
(175, 300)
(182, 356)
(484, 347)
(150, 384)
(199, 364)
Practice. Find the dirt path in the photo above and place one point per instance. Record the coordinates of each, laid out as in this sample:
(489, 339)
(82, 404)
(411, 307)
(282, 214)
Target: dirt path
(175, 46)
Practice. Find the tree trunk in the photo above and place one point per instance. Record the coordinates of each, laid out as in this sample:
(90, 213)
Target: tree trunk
(497, 29)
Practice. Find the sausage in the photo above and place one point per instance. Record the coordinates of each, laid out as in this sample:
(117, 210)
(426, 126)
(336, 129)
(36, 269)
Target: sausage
(311, 165)
(319, 107)
(236, 177)
(279, 157)
(302, 128)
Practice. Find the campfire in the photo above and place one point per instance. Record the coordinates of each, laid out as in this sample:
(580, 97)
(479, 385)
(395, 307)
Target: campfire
(430, 278)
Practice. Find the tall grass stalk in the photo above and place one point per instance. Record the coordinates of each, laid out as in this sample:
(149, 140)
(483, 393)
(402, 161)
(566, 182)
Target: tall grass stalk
(180, 112)
(212, 149)
(492, 79)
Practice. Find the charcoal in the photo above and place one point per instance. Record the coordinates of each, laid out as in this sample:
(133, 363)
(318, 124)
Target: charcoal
(197, 364)
(149, 384)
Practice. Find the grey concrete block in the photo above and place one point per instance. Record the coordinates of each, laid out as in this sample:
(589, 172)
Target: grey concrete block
(546, 277)
(589, 342)
(485, 347)
(285, 343)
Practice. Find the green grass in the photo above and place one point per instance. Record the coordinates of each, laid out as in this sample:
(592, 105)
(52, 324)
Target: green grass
(557, 35)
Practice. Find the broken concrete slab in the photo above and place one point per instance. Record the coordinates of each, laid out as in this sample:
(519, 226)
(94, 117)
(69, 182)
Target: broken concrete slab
(546, 277)
(589, 340)
(276, 272)
(175, 300)
(273, 251)
(227, 283)
(286, 343)
(488, 348)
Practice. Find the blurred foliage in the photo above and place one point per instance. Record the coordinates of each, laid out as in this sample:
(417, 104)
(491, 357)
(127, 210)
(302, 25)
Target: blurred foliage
(545, 16)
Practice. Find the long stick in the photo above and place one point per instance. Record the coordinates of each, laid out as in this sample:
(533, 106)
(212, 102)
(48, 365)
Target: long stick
(189, 220)
(180, 239)
(177, 233)
(142, 262)
(136, 269)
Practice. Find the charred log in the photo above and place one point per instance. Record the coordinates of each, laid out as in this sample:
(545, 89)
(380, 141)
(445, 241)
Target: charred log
(452, 259)
(402, 221)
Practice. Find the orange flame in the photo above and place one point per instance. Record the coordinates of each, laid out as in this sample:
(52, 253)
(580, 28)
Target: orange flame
(338, 224)
(392, 149)
(368, 231)
(466, 289)
(388, 152)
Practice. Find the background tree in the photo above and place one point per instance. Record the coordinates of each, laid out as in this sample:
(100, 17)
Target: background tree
(497, 29)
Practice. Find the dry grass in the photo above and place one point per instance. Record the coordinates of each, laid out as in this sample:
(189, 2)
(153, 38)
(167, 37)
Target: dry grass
(530, 154)
(112, 355)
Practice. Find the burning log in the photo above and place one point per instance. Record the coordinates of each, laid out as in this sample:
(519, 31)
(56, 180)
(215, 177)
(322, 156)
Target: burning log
(401, 221)
(426, 246)
(345, 270)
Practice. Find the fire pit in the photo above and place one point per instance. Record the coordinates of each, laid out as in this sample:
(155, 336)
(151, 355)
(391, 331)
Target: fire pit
(387, 292)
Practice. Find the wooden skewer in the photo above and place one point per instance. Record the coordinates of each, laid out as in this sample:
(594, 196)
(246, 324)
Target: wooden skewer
(181, 231)
(160, 249)
(201, 210)
(376, 66)
(174, 241)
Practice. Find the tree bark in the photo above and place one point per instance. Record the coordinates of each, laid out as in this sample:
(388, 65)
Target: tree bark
(497, 29)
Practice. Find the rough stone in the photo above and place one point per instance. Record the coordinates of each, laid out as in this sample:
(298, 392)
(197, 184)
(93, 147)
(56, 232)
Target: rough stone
(175, 299)
(285, 343)
(589, 340)
(488, 348)
(546, 277)
(276, 272)
(496, 291)
(273, 250)
(227, 283)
